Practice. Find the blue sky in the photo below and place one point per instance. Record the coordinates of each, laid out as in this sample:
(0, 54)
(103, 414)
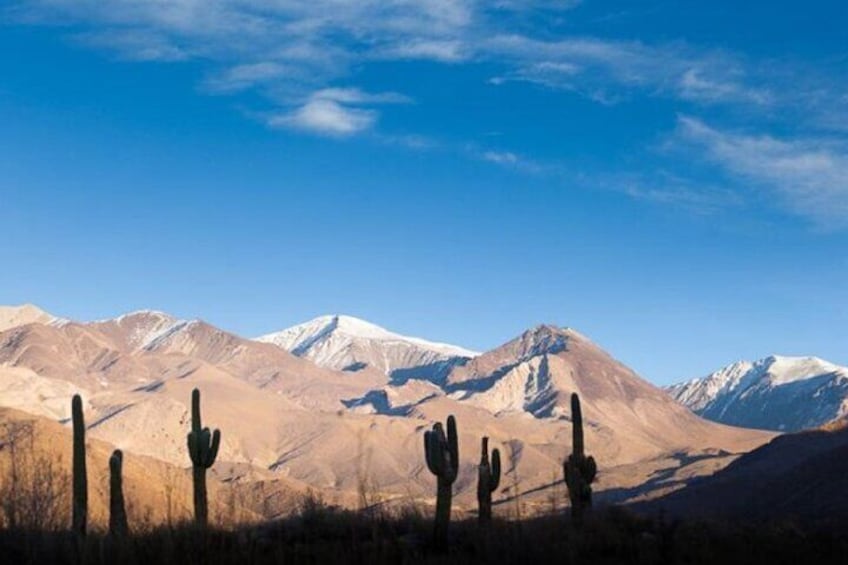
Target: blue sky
(670, 178)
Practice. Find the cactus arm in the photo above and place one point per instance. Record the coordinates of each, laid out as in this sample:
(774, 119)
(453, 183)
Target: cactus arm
(435, 450)
(591, 470)
(428, 454)
(213, 449)
(192, 448)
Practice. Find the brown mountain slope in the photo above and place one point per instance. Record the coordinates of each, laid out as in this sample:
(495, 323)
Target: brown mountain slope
(148, 347)
(628, 418)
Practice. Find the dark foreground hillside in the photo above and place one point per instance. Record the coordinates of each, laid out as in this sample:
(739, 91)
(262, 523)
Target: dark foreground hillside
(319, 535)
(803, 475)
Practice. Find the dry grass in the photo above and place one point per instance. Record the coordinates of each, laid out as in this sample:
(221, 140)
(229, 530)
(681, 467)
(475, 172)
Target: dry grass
(321, 534)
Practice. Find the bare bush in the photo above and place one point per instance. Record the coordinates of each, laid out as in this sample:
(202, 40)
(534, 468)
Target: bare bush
(34, 493)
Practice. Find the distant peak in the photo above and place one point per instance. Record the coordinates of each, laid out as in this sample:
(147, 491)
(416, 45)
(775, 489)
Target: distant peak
(19, 315)
(301, 337)
(544, 332)
(158, 314)
(540, 340)
(777, 369)
(547, 329)
(23, 308)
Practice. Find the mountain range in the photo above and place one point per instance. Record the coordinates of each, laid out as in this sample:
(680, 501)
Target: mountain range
(347, 405)
(775, 393)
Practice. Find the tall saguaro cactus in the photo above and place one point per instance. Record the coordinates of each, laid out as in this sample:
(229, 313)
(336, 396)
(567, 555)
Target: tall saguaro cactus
(80, 480)
(202, 448)
(442, 454)
(579, 470)
(118, 526)
(488, 479)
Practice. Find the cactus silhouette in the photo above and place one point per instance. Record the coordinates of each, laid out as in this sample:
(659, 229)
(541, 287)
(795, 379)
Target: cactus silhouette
(442, 454)
(202, 448)
(118, 526)
(579, 470)
(80, 480)
(488, 479)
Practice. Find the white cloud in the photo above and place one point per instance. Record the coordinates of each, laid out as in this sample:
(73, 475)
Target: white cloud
(247, 75)
(357, 96)
(326, 117)
(696, 86)
(446, 51)
(508, 159)
(501, 157)
(336, 111)
(808, 175)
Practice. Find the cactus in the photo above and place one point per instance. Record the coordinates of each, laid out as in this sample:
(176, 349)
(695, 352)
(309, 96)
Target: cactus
(488, 479)
(579, 470)
(118, 526)
(202, 448)
(442, 454)
(80, 481)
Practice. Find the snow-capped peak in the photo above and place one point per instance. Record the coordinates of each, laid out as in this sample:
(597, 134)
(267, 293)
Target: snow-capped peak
(777, 392)
(301, 336)
(348, 343)
(782, 370)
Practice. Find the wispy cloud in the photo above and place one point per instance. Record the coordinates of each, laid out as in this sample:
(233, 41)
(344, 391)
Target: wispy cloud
(248, 75)
(606, 70)
(135, 45)
(694, 84)
(809, 175)
(668, 189)
(509, 160)
(445, 51)
(500, 157)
